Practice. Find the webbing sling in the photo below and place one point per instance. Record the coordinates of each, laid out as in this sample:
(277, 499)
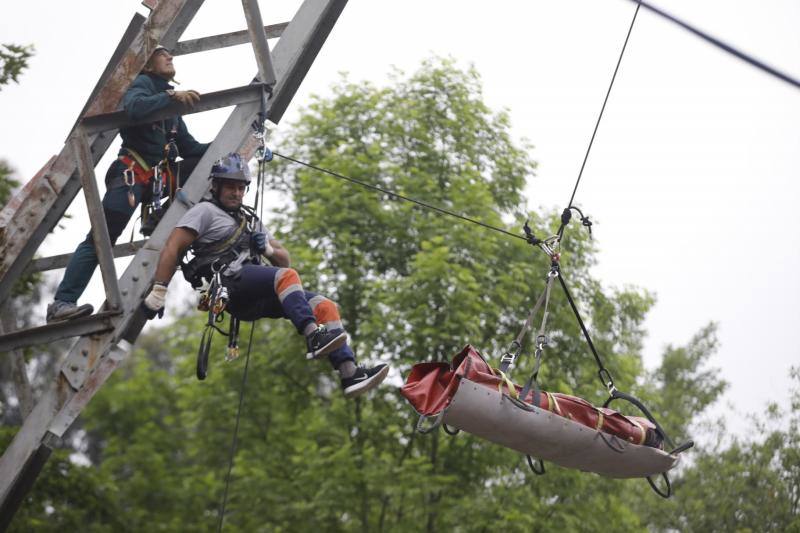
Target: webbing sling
(516, 346)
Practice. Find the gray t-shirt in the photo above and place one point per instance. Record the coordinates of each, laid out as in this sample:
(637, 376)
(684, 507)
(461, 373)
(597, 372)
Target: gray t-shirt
(212, 224)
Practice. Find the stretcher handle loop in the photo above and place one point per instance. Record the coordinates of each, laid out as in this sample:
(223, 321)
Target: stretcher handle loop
(437, 421)
(683, 447)
(617, 394)
(451, 432)
(532, 464)
(658, 491)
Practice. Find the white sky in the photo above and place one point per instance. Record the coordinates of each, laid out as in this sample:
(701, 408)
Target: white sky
(691, 183)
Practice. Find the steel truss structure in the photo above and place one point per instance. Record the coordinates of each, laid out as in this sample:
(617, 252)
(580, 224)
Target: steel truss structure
(105, 339)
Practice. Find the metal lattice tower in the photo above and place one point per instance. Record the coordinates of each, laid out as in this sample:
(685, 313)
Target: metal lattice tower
(105, 339)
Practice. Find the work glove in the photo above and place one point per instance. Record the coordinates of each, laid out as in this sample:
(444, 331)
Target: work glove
(187, 98)
(155, 301)
(261, 245)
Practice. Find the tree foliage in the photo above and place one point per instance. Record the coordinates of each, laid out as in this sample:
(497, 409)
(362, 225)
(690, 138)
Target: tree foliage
(412, 286)
(13, 60)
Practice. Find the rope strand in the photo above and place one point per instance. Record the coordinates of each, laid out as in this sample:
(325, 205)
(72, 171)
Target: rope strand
(400, 196)
(724, 46)
(236, 430)
(597, 124)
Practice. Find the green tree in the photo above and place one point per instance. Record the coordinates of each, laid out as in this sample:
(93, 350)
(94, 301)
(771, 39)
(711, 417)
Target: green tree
(13, 60)
(412, 286)
(745, 484)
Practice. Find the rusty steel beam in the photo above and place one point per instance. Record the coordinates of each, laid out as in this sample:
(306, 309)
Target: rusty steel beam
(132, 61)
(43, 204)
(134, 27)
(193, 46)
(93, 358)
(209, 101)
(54, 262)
(258, 38)
(87, 325)
(28, 204)
(30, 471)
(19, 375)
(100, 237)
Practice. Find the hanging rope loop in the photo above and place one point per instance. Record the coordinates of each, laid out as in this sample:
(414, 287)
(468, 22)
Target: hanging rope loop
(566, 217)
(529, 236)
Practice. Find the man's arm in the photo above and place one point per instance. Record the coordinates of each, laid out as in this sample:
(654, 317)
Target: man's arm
(141, 98)
(178, 242)
(280, 255)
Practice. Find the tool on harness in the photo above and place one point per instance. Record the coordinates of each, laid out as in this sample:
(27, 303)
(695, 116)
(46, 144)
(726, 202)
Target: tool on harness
(233, 340)
(129, 178)
(215, 300)
(166, 176)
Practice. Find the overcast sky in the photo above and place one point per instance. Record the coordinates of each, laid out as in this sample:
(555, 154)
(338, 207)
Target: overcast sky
(692, 181)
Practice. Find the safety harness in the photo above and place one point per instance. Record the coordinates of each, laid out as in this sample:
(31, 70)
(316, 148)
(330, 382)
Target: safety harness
(208, 266)
(159, 182)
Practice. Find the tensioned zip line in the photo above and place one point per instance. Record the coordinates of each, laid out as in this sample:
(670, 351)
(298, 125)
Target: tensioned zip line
(748, 58)
(603, 373)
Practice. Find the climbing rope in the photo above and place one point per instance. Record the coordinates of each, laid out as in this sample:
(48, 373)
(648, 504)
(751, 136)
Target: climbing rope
(400, 196)
(234, 441)
(560, 231)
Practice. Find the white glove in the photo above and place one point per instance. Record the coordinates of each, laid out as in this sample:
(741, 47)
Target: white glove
(157, 298)
(269, 250)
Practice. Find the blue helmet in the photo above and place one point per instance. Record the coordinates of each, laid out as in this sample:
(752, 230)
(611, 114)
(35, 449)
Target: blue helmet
(231, 167)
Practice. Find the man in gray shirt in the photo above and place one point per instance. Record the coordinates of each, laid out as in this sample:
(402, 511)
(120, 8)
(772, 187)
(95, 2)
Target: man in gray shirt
(227, 238)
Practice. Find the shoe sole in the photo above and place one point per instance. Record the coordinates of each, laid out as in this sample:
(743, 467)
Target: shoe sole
(78, 313)
(367, 384)
(335, 344)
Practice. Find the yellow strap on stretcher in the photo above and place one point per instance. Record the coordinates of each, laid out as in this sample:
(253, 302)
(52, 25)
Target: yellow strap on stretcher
(512, 389)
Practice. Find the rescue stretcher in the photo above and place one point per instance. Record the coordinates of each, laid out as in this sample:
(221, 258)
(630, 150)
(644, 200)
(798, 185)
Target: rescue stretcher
(470, 395)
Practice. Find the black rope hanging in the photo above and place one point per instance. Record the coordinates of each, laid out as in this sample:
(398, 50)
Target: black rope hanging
(747, 58)
(235, 439)
(566, 215)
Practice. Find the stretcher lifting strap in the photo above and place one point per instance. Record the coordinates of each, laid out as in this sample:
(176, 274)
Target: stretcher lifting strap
(516, 346)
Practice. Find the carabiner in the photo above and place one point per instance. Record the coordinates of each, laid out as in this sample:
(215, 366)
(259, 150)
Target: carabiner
(129, 178)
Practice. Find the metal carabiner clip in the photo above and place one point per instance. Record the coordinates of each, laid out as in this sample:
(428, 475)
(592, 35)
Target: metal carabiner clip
(129, 178)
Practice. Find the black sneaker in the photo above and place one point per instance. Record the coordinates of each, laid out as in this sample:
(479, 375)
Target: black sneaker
(60, 310)
(364, 379)
(322, 342)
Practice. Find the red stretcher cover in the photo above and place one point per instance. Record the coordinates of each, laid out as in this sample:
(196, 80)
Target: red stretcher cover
(431, 387)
